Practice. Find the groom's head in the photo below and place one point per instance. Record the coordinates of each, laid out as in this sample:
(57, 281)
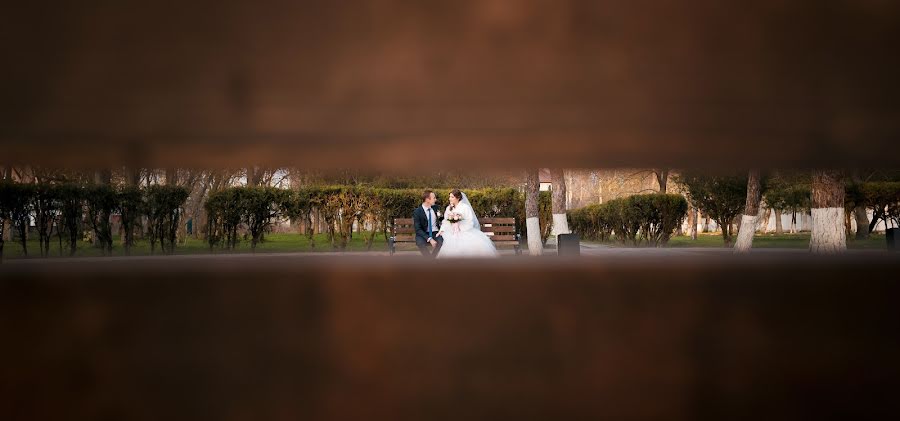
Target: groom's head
(428, 198)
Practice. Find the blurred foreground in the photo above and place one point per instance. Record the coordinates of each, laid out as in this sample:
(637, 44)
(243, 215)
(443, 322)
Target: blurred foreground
(366, 337)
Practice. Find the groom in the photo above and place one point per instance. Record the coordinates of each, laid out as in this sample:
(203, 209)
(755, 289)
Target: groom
(425, 221)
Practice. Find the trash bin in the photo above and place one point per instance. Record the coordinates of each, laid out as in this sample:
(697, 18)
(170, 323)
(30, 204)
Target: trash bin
(569, 244)
(893, 238)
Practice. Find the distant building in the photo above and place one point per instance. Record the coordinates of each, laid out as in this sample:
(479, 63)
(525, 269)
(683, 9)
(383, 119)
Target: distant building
(545, 179)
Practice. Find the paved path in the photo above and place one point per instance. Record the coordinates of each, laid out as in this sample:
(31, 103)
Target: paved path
(587, 250)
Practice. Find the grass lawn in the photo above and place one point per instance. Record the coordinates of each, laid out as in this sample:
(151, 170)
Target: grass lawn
(792, 241)
(274, 243)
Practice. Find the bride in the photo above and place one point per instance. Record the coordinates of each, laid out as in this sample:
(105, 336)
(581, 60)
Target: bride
(461, 231)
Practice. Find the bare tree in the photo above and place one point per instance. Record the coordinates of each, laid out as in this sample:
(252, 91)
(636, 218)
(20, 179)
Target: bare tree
(172, 176)
(828, 234)
(132, 176)
(252, 176)
(662, 178)
(751, 214)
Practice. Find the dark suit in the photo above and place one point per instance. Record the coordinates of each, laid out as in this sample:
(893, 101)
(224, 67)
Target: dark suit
(420, 222)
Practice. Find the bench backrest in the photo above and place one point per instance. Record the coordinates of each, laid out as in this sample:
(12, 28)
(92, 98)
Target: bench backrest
(404, 230)
(500, 230)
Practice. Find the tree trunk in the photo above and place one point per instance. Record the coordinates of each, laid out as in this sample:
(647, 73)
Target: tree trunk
(6, 234)
(827, 234)
(532, 221)
(862, 222)
(848, 224)
(132, 179)
(560, 223)
(171, 177)
(705, 224)
(103, 177)
(859, 212)
(693, 221)
(662, 178)
(877, 215)
(727, 233)
(132, 176)
(252, 177)
(779, 228)
(751, 215)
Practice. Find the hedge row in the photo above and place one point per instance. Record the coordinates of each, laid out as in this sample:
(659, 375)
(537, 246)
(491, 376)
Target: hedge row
(256, 208)
(647, 218)
(64, 208)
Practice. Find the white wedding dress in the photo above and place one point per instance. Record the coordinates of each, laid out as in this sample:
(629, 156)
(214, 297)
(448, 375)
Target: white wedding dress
(464, 238)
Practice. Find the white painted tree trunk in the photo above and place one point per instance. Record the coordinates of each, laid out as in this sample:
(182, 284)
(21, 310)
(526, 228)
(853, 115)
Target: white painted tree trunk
(533, 227)
(560, 224)
(828, 233)
(532, 214)
(745, 233)
(751, 214)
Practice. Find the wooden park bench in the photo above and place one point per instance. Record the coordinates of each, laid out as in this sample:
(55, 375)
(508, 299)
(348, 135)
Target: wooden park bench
(502, 231)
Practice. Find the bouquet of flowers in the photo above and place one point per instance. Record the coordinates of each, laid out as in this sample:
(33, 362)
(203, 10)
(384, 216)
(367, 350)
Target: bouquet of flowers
(453, 217)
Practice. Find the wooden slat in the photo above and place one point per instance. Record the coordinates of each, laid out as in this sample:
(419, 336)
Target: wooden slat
(498, 228)
(403, 221)
(404, 244)
(404, 230)
(504, 221)
(502, 237)
(404, 238)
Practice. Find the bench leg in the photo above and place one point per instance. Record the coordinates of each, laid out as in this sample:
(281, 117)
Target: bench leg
(391, 246)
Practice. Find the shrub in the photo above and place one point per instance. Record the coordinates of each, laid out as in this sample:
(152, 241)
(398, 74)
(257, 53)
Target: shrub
(722, 197)
(101, 201)
(224, 216)
(256, 207)
(71, 208)
(15, 207)
(45, 204)
(260, 206)
(659, 215)
(592, 222)
(163, 207)
(649, 218)
(131, 207)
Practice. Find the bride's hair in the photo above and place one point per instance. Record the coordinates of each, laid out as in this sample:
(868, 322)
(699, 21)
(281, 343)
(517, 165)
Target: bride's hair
(456, 193)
